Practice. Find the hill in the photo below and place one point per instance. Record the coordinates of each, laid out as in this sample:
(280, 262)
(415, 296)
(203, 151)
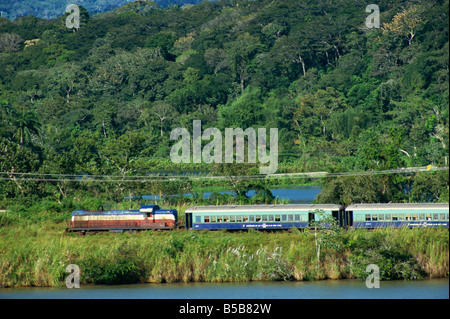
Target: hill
(104, 99)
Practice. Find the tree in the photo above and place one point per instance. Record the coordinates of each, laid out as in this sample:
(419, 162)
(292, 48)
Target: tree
(10, 42)
(315, 110)
(163, 111)
(27, 124)
(327, 232)
(405, 23)
(240, 54)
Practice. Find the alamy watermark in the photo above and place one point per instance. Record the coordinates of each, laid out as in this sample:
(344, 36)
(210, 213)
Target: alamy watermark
(73, 19)
(213, 151)
(373, 279)
(73, 280)
(373, 19)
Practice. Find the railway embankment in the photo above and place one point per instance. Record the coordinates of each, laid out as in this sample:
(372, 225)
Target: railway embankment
(37, 254)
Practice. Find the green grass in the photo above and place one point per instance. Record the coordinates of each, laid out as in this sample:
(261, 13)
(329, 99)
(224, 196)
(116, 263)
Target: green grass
(36, 254)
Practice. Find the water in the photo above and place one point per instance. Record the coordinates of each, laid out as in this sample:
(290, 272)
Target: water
(295, 195)
(326, 289)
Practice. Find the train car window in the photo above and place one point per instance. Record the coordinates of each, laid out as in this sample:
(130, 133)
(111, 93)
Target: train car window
(232, 219)
(245, 219)
(446, 216)
(297, 217)
(283, 218)
(225, 219)
(414, 217)
(213, 219)
(388, 217)
(270, 218)
(381, 217)
(277, 218)
(394, 217)
(219, 219)
(258, 218)
(239, 218)
(290, 218)
(367, 217)
(264, 218)
(198, 219)
(251, 218)
(206, 219)
(428, 216)
(421, 216)
(374, 217)
(435, 216)
(408, 217)
(401, 217)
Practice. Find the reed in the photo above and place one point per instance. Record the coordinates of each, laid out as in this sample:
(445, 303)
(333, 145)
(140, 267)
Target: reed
(36, 254)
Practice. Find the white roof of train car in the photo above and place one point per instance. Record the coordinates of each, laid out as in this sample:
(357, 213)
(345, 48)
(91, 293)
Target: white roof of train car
(397, 206)
(262, 208)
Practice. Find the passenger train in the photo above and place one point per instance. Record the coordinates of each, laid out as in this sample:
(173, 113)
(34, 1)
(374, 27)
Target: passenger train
(301, 216)
(263, 217)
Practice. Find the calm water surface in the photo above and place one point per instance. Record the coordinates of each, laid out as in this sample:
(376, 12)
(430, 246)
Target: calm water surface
(295, 194)
(327, 289)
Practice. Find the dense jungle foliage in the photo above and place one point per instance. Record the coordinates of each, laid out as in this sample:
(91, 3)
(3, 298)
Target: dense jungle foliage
(103, 99)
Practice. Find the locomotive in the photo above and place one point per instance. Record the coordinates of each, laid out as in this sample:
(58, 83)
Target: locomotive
(146, 218)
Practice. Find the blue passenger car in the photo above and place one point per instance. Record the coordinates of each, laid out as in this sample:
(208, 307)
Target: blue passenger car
(398, 215)
(268, 217)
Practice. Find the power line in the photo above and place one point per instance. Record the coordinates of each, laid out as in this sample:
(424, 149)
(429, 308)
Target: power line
(49, 177)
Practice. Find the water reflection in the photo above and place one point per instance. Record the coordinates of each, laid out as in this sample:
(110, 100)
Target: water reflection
(326, 289)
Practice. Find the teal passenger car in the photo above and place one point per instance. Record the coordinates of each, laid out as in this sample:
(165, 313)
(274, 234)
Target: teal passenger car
(398, 215)
(268, 217)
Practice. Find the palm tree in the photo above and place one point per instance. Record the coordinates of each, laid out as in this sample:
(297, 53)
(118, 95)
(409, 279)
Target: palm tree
(27, 124)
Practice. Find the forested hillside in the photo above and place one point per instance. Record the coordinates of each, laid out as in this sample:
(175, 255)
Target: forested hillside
(50, 9)
(103, 100)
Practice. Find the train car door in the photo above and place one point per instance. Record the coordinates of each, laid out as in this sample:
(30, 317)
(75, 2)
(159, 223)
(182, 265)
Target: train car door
(188, 221)
(310, 217)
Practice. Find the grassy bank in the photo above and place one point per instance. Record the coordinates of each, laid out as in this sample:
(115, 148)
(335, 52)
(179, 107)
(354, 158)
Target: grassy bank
(36, 254)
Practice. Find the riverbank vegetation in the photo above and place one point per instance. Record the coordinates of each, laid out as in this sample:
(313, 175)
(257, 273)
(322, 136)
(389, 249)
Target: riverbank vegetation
(37, 254)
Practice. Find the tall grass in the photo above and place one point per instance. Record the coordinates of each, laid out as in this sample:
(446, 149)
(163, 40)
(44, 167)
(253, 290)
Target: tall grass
(36, 254)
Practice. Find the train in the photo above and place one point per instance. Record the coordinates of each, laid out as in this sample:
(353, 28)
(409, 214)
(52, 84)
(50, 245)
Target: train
(271, 217)
(148, 217)
(263, 217)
